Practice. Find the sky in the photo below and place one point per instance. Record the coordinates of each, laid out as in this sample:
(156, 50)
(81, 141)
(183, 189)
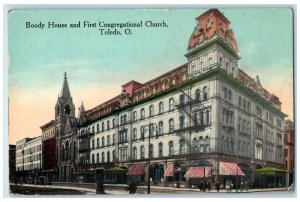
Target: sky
(98, 65)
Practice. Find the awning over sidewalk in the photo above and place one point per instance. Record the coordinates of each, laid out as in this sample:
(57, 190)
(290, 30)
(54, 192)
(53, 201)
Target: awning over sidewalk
(198, 172)
(116, 170)
(138, 169)
(227, 168)
(170, 170)
(269, 171)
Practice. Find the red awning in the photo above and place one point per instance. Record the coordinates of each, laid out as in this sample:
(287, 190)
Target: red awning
(227, 168)
(138, 169)
(198, 172)
(170, 170)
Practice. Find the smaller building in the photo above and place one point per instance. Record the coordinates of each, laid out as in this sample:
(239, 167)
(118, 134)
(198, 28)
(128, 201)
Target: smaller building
(289, 155)
(29, 158)
(12, 162)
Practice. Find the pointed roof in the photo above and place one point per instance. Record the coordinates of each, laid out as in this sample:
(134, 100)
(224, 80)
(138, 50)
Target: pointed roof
(65, 92)
(81, 110)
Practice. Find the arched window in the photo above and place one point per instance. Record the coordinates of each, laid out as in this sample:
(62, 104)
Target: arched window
(160, 149)
(103, 157)
(134, 136)
(181, 99)
(98, 142)
(171, 125)
(151, 151)
(114, 139)
(98, 158)
(151, 110)
(142, 152)
(125, 119)
(207, 117)
(152, 130)
(226, 67)
(134, 153)
(102, 126)
(142, 113)
(171, 104)
(221, 62)
(160, 128)
(143, 132)
(98, 129)
(114, 155)
(161, 107)
(93, 129)
(181, 147)
(181, 122)
(229, 95)
(134, 116)
(171, 148)
(108, 156)
(103, 142)
(108, 140)
(205, 93)
(108, 125)
(93, 159)
(195, 145)
(93, 144)
(113, 123)
(197, 95)
(225, 92)
(201, 118)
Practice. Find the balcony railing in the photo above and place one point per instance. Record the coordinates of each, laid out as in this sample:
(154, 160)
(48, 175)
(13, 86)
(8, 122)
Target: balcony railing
(186, 126)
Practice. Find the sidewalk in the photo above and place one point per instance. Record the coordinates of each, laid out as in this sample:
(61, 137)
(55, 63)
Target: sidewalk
(120, 190)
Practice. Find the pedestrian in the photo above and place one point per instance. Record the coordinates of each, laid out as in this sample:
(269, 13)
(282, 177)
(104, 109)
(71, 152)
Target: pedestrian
(246, 185)
(242, 186)
(208, 185)
(230, 186)
(204, 186)
(201, 185)
(218, 186)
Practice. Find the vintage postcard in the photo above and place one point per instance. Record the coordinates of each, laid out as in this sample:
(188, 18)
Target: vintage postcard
(151, 101)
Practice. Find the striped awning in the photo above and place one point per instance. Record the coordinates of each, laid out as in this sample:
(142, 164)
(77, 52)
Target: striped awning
(227, 168)
(170, 170)
(138, 169)
(198, 172)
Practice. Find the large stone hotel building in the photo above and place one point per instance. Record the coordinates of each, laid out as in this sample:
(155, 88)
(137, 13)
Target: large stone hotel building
(206, 119)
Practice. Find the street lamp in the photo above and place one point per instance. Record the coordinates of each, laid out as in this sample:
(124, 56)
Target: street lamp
(149, 157)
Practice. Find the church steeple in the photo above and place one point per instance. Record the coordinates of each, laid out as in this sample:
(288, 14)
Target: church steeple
(65, 92)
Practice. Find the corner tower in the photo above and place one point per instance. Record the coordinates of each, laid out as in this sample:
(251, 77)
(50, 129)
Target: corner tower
(211, 45)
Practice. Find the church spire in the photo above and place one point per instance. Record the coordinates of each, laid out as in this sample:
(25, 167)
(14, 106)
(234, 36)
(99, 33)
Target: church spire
(65, 92)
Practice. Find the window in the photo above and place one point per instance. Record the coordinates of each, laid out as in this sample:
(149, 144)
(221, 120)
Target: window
(113, 123)
(249, 107)
(102, 126)
(226, 67)
(103, 143)
(134, 153)
(171, 104)
(114, 155)
(207, 117)
(143, 132)
(108, 140)
(201, 118)
(134, 136)
(108, 125)
(171, 148)
(98, 143)
(108, 156)
(151, 151)
(142, 152)
(114, 137)
(134, 116)
(181, 147)
(221, 62)
(98, 158)
(171, 126)
(93, 144)
(244, 104)
(98, 129)
(152, 130)
(161, 107)
(125, 119)
(142, 113)
(240, 102)
(205, 93)
(154, 89)
(103, 157)
(160, 149)
(197, 95)
(163, 86)
(93, 158)
(93, 129)
(151, 110)
(229, 95)
(181, 122)
(225, 93)
(181, 99)
(160, 128)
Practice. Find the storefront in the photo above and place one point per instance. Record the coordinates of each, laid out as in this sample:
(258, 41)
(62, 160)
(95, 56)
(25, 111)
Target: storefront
(271, 178)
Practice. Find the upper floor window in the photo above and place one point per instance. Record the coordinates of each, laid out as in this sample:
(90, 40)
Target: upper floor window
(171, 104)
(102, 126)
(160, 128)
(171, 126)
(108, 140)
(98, 129)
(142, 113)
(160, 149)
(134, 136)
(171, 148)
(197, 95)
(103, 142)
(108, 124)
(205, 93)
(151, 110)
(142, 152)
(113, 123)
(225, 93)
(113, 139)
(181, 147)
(134, 153)
(134, 116)
(229, 95)
(98, 142)
(151, 151)
(161, 107)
